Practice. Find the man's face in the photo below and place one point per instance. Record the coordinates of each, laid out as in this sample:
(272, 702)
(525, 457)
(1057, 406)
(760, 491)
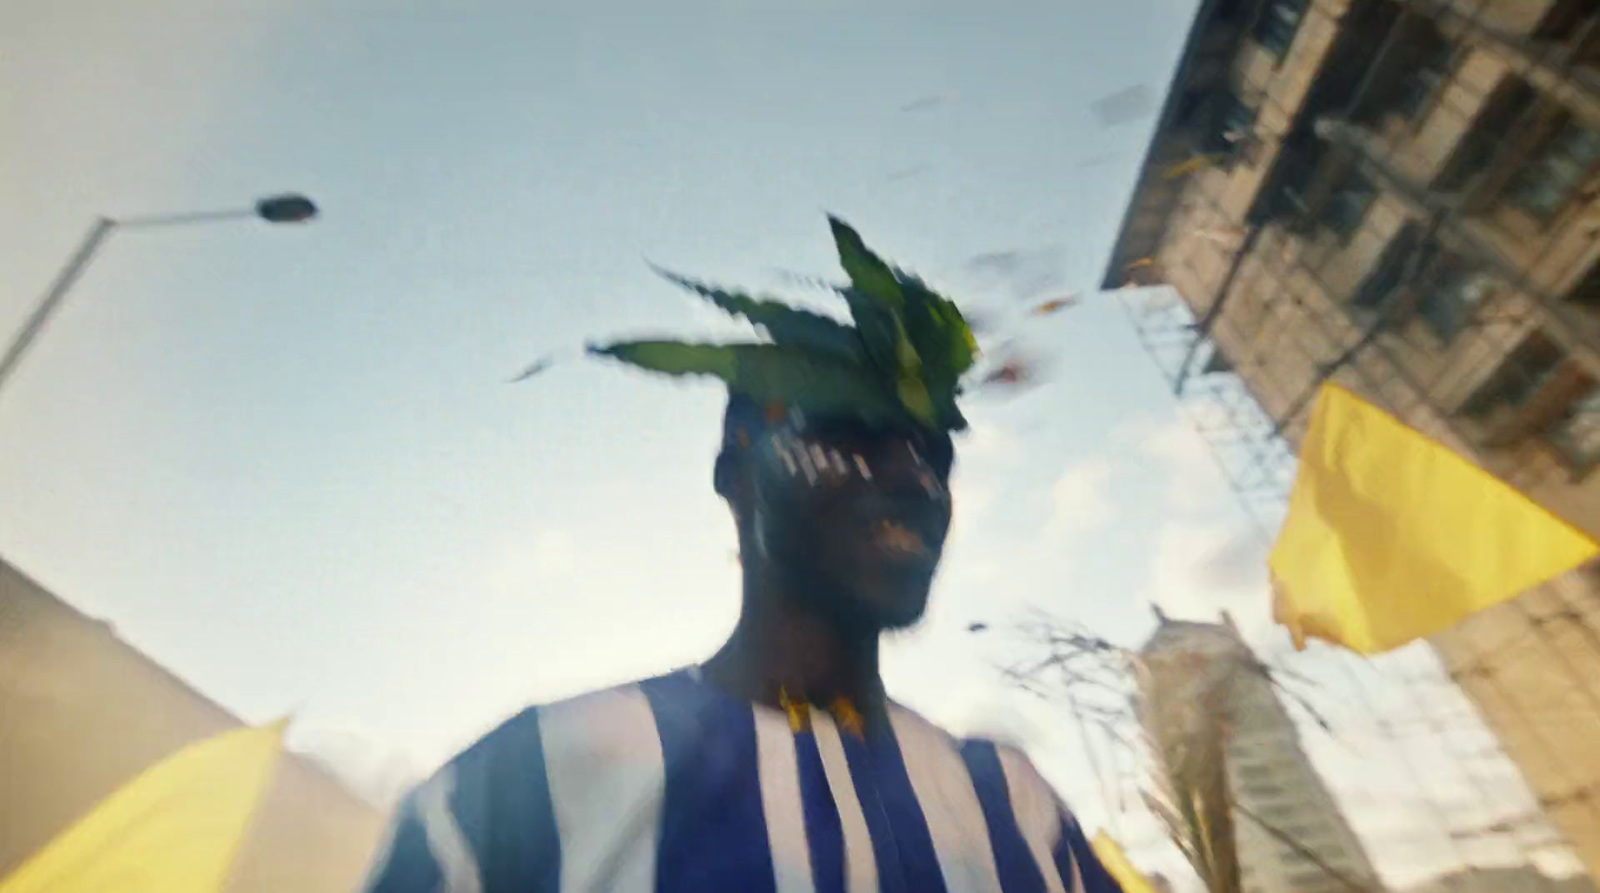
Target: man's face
(854, 517)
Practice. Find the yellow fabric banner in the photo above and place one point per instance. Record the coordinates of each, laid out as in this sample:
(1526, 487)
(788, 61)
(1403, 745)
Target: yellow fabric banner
(173, 829)
(1392, 537)
(1117, 863)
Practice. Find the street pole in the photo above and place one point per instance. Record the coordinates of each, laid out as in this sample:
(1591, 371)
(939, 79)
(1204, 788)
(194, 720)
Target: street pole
(52, 299)
(285, 208)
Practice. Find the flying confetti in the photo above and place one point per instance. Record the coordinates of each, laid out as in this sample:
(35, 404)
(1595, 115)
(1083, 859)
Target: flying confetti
(538, 366)
(928, 102)
(1054, 305)
(996, 261)
(1124, 106)
(1017, 371)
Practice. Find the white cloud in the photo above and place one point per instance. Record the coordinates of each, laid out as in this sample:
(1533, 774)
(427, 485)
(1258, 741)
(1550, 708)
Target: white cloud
(985, 452)
(986, 441)
(1200, 570)
(554, 554)
(528, 560)
(1194, 479)
(1080, 500)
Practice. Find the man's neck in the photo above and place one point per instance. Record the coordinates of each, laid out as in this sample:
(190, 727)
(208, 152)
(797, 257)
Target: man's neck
(778, 646)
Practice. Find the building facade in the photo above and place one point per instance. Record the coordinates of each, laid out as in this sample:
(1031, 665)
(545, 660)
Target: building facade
(1403, 196)
(1279, 795)
(82, 712)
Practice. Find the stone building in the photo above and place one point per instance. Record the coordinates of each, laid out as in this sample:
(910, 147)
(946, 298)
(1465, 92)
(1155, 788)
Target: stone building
(82, 712)
(1401, 196)
(1272, 780)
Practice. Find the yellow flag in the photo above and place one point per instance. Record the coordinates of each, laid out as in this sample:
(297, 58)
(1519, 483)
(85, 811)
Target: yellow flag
(1392, 537)
(173, 829)
(1118, 865)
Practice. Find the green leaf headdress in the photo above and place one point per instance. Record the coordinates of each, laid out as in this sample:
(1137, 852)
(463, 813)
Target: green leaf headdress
(901, 362)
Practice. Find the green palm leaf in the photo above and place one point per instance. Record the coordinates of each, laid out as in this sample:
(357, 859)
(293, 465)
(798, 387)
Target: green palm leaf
(943, 342)
(901, 361)
(783, 324)
(876, 305)
(814, 382)
(867, 271)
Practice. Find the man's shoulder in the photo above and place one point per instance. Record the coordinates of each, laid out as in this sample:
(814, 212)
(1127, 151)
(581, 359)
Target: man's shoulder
(1004, 760)
(587, 720)
(1008, 751)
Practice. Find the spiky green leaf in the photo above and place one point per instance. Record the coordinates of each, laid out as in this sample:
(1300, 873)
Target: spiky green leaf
(882, 334)
(785, 325)
(814, 382)
(902, 361)
(675, 357)
(944, 343)
(867, 271)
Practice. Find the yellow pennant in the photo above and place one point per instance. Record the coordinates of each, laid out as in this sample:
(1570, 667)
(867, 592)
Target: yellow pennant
(1119, 866)
(174, 829)
(1392, 537)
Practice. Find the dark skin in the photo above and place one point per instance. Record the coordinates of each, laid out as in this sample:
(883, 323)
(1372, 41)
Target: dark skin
(840, 533)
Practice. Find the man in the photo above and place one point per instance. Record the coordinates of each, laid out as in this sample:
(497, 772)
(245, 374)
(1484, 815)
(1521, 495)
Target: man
(779, 765)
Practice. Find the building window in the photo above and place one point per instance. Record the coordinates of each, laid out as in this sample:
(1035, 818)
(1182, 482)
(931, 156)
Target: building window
(1563, 20)
(1430, 64)
(1263, 791)
(1549, 179)
(1380, 285)
(1232, 123)
(1278, 24)
(1315, 877)
(1454, 295)
(1347, 207)
(1254, 773)
(1577, 434)
(1277, 814)
(1587, 291)
(1478, 149)
(1525, 371)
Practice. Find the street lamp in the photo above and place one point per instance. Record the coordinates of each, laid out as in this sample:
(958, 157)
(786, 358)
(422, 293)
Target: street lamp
(285, 208)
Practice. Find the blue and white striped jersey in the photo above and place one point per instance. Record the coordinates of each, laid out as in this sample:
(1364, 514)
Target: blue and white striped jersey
(672, 786)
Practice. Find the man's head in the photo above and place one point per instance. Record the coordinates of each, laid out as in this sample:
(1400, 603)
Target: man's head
(850, 518)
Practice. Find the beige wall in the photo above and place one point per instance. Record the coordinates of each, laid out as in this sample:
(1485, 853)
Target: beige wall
(82, 712)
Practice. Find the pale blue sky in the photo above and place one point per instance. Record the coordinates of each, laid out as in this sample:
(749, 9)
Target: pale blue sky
(284, 461)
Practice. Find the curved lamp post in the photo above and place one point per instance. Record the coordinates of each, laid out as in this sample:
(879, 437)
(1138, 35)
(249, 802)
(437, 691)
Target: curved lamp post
(286, 208)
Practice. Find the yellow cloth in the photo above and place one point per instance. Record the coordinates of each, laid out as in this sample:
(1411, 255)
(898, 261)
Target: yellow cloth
(1117, 865)
(174, 829)
(1392, 537)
